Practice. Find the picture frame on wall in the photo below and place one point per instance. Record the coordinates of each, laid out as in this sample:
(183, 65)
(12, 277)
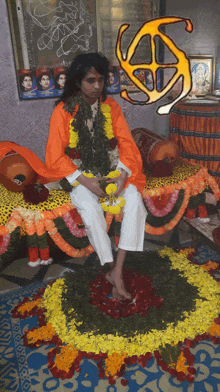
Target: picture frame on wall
(113, 80)
(202, 71)
(217, 75)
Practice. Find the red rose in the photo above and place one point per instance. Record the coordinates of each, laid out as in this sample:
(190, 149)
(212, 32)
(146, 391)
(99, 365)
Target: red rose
(74, 154)
(113, 143)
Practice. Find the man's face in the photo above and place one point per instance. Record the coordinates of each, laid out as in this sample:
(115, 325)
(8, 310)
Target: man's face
(27, 83)
(45, 82)
(62, 80)
(111, 78)
(92, 86)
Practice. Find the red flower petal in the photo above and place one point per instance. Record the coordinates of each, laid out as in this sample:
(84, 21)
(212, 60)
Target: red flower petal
(124, 382)
(181, 376)
(189, 343)
(148, 356)
(113, 143)
(191, 370)
(111, 380)
(190, 378)
(172, 372)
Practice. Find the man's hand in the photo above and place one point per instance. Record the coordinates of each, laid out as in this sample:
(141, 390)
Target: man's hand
(92, 184)
(119, 181)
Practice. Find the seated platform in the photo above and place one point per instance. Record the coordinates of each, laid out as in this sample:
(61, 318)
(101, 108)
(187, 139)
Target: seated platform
(165, 199)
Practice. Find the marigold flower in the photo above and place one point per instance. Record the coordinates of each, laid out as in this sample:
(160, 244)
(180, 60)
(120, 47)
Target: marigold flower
(105, 108)
(113, 174)
(111, 188)
(66, 357)
(28, 306)
(44, 333)
(89, 175)
(122, 202)
(105, 207)
(114, 363)
(181, 365)
(114, 209)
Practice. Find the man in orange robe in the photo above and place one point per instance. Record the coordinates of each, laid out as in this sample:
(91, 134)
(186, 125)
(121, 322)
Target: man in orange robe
(87, 78)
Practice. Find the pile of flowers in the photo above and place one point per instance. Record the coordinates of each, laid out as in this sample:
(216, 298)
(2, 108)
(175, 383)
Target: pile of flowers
(74, 338)
(140, 287)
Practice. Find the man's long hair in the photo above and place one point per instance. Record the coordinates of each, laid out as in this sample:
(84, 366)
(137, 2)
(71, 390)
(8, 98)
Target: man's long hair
(78, 70)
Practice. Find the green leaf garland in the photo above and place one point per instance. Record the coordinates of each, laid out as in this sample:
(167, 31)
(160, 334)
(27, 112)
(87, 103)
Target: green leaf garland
(156, 221)
(78, 243)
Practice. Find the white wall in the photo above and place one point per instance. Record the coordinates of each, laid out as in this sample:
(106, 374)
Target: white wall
(27, 122)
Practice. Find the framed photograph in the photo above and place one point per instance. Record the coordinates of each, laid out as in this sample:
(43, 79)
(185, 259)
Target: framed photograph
(126, 83)
(144, 76)
(113, 82)
(202, 71)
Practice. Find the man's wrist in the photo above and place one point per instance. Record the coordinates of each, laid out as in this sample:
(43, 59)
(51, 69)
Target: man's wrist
(124, 174)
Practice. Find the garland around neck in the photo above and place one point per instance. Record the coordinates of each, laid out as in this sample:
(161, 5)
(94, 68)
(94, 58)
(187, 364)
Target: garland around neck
(93, 151)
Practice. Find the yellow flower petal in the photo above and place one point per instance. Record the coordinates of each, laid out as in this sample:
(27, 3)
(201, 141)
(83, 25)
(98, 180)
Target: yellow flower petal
(111, 188)
(105, 108)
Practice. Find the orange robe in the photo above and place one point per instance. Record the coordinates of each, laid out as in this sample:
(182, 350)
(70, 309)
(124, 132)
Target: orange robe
(60, 165)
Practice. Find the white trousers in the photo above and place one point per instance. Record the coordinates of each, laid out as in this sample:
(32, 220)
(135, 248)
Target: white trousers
(132, 227)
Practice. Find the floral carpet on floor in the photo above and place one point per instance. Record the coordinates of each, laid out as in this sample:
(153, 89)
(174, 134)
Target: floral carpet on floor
(24, 369)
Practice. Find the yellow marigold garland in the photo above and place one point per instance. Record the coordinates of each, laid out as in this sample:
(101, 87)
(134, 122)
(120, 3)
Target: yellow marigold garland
(106, 110)
(110, 204)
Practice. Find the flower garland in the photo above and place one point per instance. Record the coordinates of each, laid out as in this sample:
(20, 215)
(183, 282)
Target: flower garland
(92, 151)
(59, 223)
(159, 225)
(111, 203)
(74, 148)
(73, 227)
(4, 242)
(189, 178)
(160, 213)
(83, 141)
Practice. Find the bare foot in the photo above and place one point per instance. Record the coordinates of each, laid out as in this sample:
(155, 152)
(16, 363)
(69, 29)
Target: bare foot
(117, 282)
(108, 276)
(116, 295)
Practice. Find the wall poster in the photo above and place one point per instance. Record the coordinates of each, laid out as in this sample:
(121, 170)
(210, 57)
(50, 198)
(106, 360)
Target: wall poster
(46, 37)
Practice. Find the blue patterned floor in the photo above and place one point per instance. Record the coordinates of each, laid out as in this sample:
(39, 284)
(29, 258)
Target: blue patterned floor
(25, 370)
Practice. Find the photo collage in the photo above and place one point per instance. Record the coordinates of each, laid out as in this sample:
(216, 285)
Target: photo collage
(47, 83)
(41, 83)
